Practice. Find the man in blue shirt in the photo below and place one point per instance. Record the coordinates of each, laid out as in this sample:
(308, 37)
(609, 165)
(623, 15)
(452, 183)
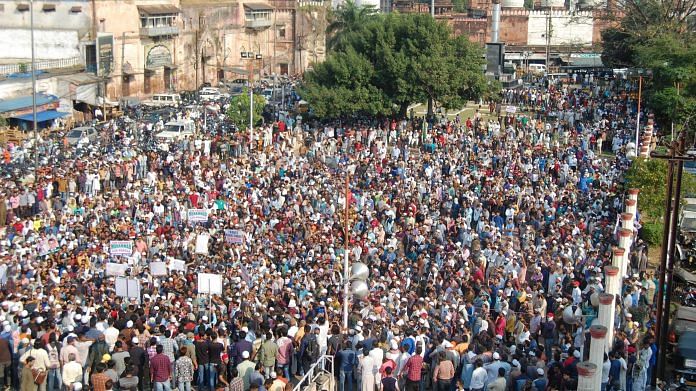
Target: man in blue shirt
(348, 360)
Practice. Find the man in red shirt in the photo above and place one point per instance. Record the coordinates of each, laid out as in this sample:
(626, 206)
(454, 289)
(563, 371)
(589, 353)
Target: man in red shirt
(160, 370)
(412, 370)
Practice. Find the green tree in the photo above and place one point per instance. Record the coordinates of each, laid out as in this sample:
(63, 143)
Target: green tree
(650, 176)
(392, 61)
(238, 111)
(655, 34)
(672, 92)
(461, 6)
(347, 19)
(341, 86)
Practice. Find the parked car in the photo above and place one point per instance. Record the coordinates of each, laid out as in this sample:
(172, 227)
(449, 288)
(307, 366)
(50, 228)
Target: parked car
(236, 89)
(174, 131)
(82, 134)
(685, 358)
(163, 100)
(211, 93)
(165, 114)
(267, 94)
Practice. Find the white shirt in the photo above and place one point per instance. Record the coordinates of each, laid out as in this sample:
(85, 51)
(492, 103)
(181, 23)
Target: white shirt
(72, 372)
(111, 336)
(478, 378)
(40, 358)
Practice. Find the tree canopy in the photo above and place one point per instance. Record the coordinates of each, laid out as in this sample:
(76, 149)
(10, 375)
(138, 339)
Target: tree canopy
(383, 63)
(656, 35)
(238, 111)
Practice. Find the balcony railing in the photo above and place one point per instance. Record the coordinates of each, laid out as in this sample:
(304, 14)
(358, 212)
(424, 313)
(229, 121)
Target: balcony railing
(159, 31)
(257, 24)
(43, 65)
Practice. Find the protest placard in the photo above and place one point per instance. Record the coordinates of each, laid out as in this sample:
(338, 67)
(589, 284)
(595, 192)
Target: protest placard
(197, 215)
(234, 236)
(116, 269)
(202, 244)
(210, 283)
(121, 247)
(127, 287)
(177, 265)
(158, 268)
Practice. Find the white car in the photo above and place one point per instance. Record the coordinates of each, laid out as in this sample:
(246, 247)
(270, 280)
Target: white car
(174, 131)
(211, 93)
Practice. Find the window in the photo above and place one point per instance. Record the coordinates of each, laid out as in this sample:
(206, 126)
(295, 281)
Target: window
(281, 32)
(49, 8)
(157, 21)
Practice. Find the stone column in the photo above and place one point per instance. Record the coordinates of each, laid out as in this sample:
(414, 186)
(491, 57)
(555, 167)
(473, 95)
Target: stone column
(612, 280)
(633, 194)
(597, 349)
(617, 259)
(631, 206)
(586, 373)
(627, 221)
(625, 242)
(606, 317)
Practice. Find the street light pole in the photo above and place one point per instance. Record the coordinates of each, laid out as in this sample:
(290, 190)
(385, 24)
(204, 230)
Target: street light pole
(640, 93)
(346, 260)
(33, 93)
(251, 106)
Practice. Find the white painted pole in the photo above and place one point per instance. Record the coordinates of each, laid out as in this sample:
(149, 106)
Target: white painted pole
(606, 317)
(586, 373)
(597, 349)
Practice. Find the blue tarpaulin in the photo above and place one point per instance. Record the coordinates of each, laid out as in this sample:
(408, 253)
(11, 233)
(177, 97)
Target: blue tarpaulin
(42, 116)
(25, 102)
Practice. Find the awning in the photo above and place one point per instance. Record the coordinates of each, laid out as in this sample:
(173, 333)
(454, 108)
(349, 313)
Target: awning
(49, 7)
(25, 102)
(158, 9)
(42, 116)
(518, 56)
(239, 71)
(586, 60)
(80, 79)
(81, 87)
(258, 6)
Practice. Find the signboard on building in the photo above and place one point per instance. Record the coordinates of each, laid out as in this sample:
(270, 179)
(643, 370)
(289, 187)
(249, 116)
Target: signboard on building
(105, 53)
(158, 55)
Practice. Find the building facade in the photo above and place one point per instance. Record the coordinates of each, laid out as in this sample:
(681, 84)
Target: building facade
(571, 28)
(135, 48)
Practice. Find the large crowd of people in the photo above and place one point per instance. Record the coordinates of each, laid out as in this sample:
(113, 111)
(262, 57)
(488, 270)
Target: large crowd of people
(478, 233)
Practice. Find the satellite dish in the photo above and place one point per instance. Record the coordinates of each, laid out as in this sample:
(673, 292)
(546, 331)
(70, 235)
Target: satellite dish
(359, 271)
(359, 289)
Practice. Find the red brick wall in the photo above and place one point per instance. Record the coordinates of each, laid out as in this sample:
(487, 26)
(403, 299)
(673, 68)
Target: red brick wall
(513, 29)
(475, 29)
